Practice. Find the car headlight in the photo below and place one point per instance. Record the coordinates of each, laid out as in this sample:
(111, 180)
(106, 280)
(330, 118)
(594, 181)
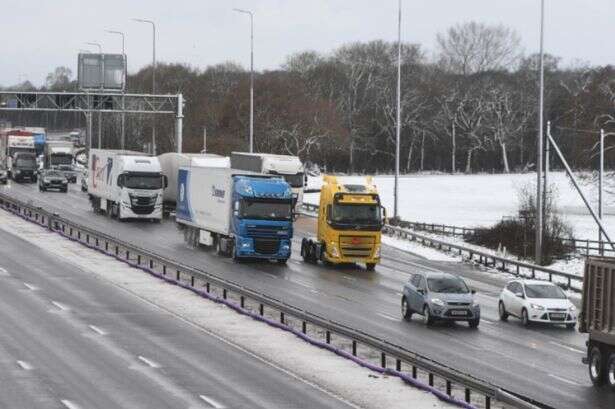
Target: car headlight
(64, 182)
(537, 307)
(572, 308)
(437, 301)
(45, 180)
(334, 251)
(17, 171)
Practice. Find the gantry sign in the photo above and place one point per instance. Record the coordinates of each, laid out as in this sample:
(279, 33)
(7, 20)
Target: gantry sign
(89, 102)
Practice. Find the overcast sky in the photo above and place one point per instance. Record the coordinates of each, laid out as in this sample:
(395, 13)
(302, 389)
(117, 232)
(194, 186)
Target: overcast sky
(38, 35)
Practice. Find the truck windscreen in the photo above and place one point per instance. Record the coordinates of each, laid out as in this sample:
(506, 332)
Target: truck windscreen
(294, 180)
(143, 181)
(356, 214)
(57, 160)
(268, 210)
(26, 163)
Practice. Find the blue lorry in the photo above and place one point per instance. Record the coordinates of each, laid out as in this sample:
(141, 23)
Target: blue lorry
(244, 216)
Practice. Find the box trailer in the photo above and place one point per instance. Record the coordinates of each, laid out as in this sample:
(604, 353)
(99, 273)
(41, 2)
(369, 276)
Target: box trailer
(242, 215)
(598, 319)
(170, 164)
(125, 184)
(289, 167)
(59, 155)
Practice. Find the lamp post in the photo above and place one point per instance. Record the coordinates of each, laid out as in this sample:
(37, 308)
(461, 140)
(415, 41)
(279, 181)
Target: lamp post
(99, 111)
(251, 75)
(123, 115)
(539, 144)
(142, 20)
(398, 127)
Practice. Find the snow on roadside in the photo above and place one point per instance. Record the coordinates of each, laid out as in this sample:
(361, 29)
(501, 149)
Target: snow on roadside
(416, 248)
(322, 369)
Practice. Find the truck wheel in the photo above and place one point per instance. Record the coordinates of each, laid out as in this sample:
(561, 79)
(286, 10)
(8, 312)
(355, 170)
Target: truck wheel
(370, 266)
(219, 248)
(282, 260)
(597, 367)
(406, 312)
(610, 371)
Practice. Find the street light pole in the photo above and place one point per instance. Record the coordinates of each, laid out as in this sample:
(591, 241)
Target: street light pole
(251, 75)
(600, 187)
(141, 20)
(123, 115)
(539, 144)
(99, 111)
(398, 127)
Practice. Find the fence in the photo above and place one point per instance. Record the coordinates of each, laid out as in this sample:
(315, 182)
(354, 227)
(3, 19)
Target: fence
(443, 380)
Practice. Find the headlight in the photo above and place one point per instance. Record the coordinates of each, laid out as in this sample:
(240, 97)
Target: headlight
(17, 171)
(437, 301)
(573, 308)
(45, 180)
(377, 252)
(334, 251)
(475, 303)
(64, 182)
(537, 307)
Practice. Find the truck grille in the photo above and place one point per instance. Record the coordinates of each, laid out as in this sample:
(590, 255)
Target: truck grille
(357, 246)
(266, 231)
(142, 204)
(266, 246)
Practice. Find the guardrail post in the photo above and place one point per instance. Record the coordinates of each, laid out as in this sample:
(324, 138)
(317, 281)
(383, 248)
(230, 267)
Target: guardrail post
(151, 267)
(164, 273)
(304, 327)
(468, 395)
(178, 275)
(448, 387)
(282, 317)
(487, 402)
(398, 365)
(383, 360)
(128, 255)
(328, 337)
(354, 348)
(192, 283)
(242, 300)
(430, 379)
(207, 289)
(261, 309)
(139, 260)
(117, 251)
(414, 371)
(87, 238)
(106, 246)
(224, 293)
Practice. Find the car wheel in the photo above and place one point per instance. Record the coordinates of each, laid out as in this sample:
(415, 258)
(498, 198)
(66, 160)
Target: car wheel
(502, 311)
(571, 326)
(474, 323)
(427, 318)
(525, 319)
(610, 371)
(406, 312)
(597, 367)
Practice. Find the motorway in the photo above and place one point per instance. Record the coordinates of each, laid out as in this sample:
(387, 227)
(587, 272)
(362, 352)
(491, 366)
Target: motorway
(71, 340)
(541, 362)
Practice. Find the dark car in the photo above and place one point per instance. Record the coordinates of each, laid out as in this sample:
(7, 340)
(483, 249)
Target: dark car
(52, 179)
(439, 297)
(4, 176)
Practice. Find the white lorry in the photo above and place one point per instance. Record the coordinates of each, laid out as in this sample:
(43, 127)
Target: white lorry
(289, 167)
(125, 184)
(171, 162)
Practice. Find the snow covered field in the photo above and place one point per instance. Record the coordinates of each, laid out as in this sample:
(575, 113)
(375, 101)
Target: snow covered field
(480, 200)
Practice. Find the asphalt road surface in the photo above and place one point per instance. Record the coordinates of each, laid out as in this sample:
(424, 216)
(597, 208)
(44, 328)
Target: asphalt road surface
(542, 362)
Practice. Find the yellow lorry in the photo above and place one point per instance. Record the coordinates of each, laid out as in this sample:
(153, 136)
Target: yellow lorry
(350, 218)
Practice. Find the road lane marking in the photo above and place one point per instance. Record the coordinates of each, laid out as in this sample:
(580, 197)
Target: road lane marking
(69, 405)
(388, 317)
(314, 291)
(97, 330)
(349, 278)
(271, 275)
(148, 362)
(30, 286)
(4, 273)
(579, 351)
(24, 365)
(301, 284)
(60, 306)
(211, 402)
(486, 321)
(568, 381)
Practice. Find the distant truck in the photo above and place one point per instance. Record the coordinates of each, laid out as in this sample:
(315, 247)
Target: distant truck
(125, 184)
(170, 164)
(289, 167)
(59, 155)
(598, 319)
(18, 154)
(244, 216)
(350, 218)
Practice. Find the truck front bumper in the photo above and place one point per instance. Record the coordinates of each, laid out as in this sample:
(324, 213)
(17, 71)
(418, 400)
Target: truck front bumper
(271, 249)
(126, 212)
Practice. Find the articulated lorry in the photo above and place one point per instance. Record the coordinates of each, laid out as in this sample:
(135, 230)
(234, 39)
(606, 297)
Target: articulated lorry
(18, 154)
(286, 166)
(59, 155)
(350, 218)
(170, 164)
(125, 184)
(597, 318)
(242, 215)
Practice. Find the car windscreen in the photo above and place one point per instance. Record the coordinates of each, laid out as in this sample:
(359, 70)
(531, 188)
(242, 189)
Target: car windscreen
(294, 180)
(451, 285)
(544, 291)
(61, 160)
(25, 163)
(367, 214)
(53, 174)
(143, 181)
(269, 210)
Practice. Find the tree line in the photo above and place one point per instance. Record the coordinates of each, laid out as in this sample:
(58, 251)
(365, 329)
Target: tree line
(472, 106)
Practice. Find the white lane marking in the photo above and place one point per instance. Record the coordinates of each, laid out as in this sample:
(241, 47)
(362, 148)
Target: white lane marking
(486, 321)
(211, 402)
(24, 365)
(579, 351)
(314, 291)
(271, 275)
(60, 306)
(388, 317)
(349, 278)
(301, 284)
(97, 330)
(4, 273)
(30, 286)
(568, 381)
(69, 405)
(148, 362)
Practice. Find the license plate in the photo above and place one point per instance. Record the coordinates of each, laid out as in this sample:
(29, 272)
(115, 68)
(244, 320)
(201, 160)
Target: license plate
(558, 316)
(459, 312)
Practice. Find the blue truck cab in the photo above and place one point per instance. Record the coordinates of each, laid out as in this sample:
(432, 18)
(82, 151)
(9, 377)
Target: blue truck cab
(262, 218)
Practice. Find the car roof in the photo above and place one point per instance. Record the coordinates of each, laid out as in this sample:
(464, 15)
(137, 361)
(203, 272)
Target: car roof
(532, 282)
(438, 274)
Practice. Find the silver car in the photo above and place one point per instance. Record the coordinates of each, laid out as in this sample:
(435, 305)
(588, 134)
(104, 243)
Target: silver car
(439, 297)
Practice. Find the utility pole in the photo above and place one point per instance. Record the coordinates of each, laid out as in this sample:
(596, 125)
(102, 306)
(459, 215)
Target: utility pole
(398, 127)
(453, 170)
(545, 190)
(142, 20)
(123, 115)
(600, 187)
(539, 144)
(251, 75)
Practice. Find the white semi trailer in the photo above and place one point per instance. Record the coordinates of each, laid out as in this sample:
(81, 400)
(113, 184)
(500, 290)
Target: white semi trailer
(125, 184)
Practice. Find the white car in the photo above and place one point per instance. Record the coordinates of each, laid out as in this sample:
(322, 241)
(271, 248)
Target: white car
(537, 301)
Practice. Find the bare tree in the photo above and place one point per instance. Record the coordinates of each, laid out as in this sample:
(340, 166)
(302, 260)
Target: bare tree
(473, 47)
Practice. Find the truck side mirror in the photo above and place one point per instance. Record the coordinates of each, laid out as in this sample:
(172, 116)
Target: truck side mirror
(120, 180)
(165, 181)
(384, 215)
(329, 213)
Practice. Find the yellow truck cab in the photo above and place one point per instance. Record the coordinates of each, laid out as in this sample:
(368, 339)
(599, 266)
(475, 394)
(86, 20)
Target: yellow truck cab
(350, 218)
